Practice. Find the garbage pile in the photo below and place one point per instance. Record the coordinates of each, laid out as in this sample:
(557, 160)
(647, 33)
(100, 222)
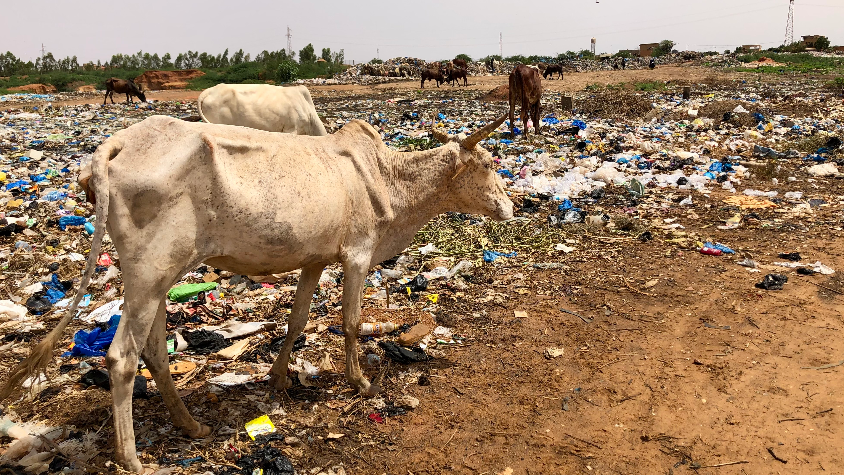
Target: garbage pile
(637, 168)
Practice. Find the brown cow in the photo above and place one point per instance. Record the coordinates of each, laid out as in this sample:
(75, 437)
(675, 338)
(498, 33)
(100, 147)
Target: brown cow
(432, 74)
(454, 76)
(525, 86)
(551, 69)
(122, 86)
(459, 63)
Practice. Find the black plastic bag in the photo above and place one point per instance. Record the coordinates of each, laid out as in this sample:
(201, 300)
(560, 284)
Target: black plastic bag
(772, 282)
(403, 355)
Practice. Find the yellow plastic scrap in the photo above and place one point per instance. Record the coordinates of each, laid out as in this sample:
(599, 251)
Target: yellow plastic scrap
(260, 426)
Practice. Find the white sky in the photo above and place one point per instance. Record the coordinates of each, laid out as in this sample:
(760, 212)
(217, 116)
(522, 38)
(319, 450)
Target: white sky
(431, 30)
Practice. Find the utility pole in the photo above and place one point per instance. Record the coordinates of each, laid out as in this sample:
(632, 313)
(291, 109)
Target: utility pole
(789, 25)
(501, 45)
(378, 53)
(42, 52)
(289, 42)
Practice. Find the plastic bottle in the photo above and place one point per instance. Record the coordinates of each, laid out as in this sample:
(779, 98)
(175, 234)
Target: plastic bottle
(711, 252)
(377, 328)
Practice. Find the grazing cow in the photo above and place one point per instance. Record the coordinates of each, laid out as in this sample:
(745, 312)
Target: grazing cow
(173, 194)
(123, 86)
(454, 76)
(459, 63)
(261, 106)
(432, 74)
(551, 69)
(526, 87)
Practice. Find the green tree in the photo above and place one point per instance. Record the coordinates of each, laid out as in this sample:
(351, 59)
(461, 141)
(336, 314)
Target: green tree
(464, 57)
(287, 71)
(326, 54)
(376, 61)
(665, 47)
(822, 43)
(307, 55)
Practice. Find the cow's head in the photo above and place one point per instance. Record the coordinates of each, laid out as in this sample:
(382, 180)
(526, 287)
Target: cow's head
(475, 184)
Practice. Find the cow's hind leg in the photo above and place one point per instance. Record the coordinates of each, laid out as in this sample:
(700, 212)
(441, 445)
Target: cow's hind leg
(308, 280)
(144, 291)
(105, 98)
(155, 357)
(354, 270)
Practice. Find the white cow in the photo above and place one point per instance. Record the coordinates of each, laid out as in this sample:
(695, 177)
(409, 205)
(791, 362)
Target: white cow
(174, 194)
(262, 107)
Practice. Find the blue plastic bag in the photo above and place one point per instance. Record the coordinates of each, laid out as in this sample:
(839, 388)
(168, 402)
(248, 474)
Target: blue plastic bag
(490, 256)
(54, 290)
(94, 342)
(66, 221)
(579, 123)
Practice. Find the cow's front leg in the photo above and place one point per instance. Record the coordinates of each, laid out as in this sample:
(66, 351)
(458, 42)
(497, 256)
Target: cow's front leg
(354, 270)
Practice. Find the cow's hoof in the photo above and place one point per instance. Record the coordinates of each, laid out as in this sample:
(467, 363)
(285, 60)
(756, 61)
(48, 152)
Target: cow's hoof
(370, 391)
(132, 465)
(201, 432)
(280, 383)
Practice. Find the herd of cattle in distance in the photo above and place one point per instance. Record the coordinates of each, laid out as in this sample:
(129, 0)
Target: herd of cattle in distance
(173, 194)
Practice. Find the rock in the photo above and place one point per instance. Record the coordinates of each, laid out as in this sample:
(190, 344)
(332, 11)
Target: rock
(35, 88)
(407, 401)
(414, 335)
(166, 80)
(86, 88)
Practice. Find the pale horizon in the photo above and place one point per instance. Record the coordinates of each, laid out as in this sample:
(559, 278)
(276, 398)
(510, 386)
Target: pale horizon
(431, 31)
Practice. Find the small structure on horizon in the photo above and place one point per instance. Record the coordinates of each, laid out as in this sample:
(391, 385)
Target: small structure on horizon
(810, 40)
(647, 49)
(750, 48)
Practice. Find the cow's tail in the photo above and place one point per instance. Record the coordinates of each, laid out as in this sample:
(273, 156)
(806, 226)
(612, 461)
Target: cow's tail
(199, 105)
(42, 353)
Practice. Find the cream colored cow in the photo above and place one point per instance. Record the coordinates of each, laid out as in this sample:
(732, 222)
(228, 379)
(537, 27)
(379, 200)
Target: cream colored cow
(262, 107)
(174, 194)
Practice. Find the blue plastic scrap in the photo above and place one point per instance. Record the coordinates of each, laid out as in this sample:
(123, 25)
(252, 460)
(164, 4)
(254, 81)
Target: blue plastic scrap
(579, 123)
(490, 256)
(53, 290)
(17, 184)
(719, 246)
(66, 221)
(94, 342)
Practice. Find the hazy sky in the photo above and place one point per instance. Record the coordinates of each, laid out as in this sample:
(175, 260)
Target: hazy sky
(430, 30)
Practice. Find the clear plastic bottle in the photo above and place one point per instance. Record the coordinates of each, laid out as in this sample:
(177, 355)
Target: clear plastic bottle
(377, 328)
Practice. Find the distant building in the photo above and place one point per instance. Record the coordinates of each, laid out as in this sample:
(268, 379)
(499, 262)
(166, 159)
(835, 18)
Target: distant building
(838, 49)
(647, 49)
(750, 48)
(810, 40)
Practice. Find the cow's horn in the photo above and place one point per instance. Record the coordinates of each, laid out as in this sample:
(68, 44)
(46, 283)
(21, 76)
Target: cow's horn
(482, 133)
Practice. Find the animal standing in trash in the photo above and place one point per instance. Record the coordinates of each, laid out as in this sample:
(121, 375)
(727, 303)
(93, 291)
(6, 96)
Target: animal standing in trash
(455, 75)
(123, 86)
(459, 63)
(432, 74)
(262, 107)
(525, 88)
(551, 69)
(174, 194)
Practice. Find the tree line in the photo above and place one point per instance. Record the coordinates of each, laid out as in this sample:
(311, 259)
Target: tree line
(10, 65)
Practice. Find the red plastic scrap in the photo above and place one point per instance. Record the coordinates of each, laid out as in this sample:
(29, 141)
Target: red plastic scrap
(376, 418)
(104, 260)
